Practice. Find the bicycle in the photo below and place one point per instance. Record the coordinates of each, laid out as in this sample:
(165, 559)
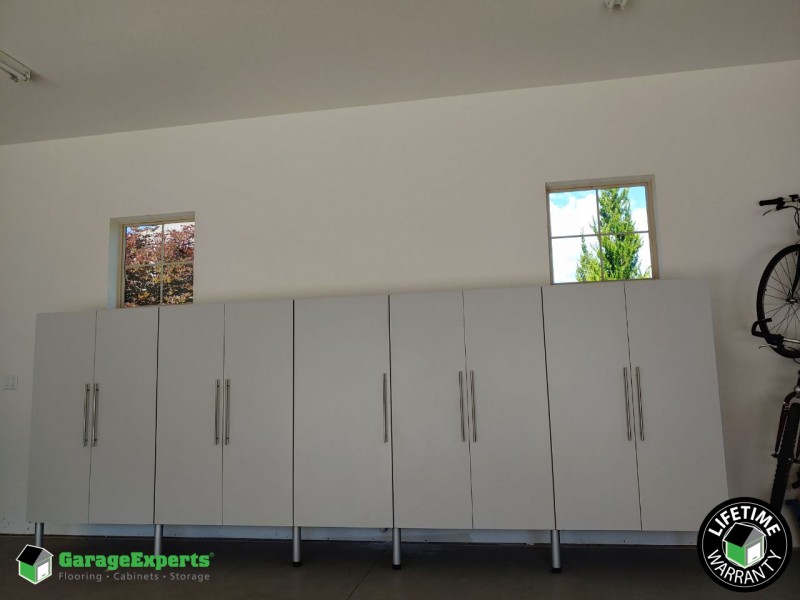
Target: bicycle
(778, 323)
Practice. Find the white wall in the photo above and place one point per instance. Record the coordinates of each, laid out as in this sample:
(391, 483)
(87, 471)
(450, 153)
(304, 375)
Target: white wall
(433, 194)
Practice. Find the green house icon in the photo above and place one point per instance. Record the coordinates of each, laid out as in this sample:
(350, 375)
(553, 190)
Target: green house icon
(744, 545)
(35, 564)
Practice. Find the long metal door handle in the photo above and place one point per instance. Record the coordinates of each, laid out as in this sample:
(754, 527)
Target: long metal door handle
(472, 392)
(216, 416)
(639, 397)
(627, 403)
(94, 414)
(86, 415)
(385, 413)
(461, 400)
(227, 412)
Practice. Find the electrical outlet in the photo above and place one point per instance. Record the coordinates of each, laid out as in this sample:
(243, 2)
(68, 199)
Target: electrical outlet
(9, 382)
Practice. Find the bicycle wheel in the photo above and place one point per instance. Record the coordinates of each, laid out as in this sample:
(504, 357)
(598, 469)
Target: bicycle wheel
(777, 301)
(785, 457)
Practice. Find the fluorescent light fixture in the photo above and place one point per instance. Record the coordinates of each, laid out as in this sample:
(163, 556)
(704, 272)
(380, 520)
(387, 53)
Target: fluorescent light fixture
(15, 69)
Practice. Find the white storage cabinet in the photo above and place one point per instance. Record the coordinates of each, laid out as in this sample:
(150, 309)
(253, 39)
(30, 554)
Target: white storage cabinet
(636, 427)
(92, 455)
(225, 415)
(472, 443)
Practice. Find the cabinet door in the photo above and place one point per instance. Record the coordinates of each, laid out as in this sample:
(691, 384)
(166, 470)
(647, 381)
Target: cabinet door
(681, 456)
(257, 451)
(123, 457)
(343, 459)
(594, 462)
(431, 447)
(58, 475)
(189, 454)
(512, 476)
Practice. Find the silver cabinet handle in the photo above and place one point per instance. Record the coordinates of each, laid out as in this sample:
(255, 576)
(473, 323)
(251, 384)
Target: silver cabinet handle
(216, 416)
(385, 413)
(472, 391)
(94, 414)
(461, 399)
(639, 396)
(227, 412)
(86, 415)
(627, 403)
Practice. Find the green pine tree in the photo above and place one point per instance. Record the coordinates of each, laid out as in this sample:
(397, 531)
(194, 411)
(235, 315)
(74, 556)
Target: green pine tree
(617, 256)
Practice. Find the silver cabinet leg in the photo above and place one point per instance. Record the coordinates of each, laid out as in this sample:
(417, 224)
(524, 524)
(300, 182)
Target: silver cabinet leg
(396, 564)
(38, 534)
(555, 548)
(158, 538)
(296, 562)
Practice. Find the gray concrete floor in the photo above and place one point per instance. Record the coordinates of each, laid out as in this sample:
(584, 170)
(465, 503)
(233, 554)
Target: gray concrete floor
(246, 569)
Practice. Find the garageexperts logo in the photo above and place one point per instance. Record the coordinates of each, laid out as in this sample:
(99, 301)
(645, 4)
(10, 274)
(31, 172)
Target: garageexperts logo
(36, 564)
(744, 545)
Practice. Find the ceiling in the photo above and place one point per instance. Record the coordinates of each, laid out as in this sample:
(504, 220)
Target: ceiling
(104, 66)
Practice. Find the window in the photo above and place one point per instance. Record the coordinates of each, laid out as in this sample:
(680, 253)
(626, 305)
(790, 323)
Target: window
(157, 263)
(601, 232)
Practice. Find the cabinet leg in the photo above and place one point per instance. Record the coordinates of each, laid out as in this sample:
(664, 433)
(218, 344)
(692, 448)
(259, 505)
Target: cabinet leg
(296, 562)
(38, 534)
(396, 564)
(158, 538)
(555, 548)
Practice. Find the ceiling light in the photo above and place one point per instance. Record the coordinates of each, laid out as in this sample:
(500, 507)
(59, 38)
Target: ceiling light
(15, 69)
(611, 4)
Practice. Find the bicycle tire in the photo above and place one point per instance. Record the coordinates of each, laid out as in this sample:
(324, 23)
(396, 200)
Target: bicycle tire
(775, 301)
(785, 457)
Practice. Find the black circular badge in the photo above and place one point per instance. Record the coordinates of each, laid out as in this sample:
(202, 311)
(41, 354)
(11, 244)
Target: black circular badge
(744, 545)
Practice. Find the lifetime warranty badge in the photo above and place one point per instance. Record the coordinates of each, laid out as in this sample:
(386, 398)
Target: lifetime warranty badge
(744, 545)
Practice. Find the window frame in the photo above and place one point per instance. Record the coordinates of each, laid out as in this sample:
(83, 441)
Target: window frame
(147, 221)
(646, 181)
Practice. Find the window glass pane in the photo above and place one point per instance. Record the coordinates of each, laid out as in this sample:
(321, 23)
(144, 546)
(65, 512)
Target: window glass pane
(645, 262)
(616, 211)
(142, 286)
(178, 242)
(572, 213)
(178, 284)
(626, 256)
(576, 259)
(142, 244)
(638, 196)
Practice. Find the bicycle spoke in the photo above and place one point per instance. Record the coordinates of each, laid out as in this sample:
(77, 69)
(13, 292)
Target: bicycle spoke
(771, 312)
(788, 287)
(792, 275)
(791, 271)
(791, 317)
(781, 292)
(775, 275)
(781, 300)
(778, 326)
(786, 322)
(794, 314)
(787, 268)
(794, 254)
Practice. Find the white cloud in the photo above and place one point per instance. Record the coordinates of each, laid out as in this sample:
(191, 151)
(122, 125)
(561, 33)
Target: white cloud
(565, 258)
(640, 218)
(571, 212)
